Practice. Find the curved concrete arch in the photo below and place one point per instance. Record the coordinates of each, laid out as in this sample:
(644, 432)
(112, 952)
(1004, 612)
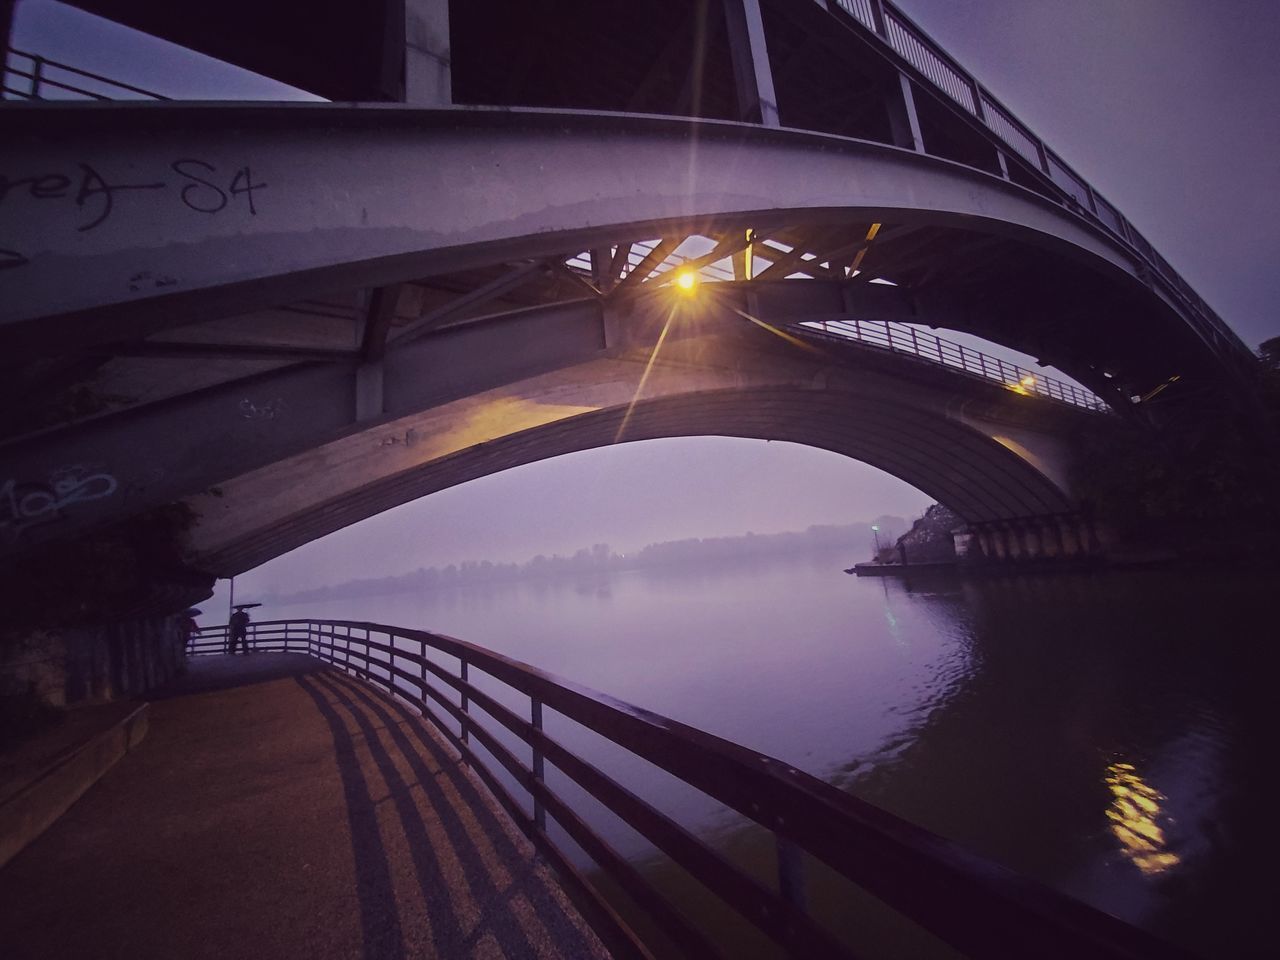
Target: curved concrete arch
(269, 512)
(347, 200)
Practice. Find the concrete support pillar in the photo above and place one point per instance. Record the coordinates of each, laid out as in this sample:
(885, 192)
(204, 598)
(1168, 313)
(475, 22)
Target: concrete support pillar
(1089, 537)
(999, 544)
(1050, 541)
(1013, 537)
(753, 77)
(981, 542)
(1034, 537)
(426, 53)
(1071, 546)
(904, 122)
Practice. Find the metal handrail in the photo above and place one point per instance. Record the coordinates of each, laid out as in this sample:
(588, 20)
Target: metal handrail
(37, 78)
(977, 907)
(925, 60)
(903, 338)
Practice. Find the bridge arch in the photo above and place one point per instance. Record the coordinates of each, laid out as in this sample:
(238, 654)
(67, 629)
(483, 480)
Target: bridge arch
(932, 440)
(326, 253)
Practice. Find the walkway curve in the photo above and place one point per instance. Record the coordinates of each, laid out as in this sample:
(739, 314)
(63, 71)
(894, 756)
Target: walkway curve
(281, 809)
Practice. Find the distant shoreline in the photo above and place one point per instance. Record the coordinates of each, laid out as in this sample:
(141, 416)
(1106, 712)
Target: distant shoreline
(850, 540)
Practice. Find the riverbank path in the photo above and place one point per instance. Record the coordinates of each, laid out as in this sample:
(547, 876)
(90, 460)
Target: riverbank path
(279, 808)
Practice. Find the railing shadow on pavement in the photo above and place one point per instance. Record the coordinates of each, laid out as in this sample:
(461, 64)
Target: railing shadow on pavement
(975, 906)
(410, 764)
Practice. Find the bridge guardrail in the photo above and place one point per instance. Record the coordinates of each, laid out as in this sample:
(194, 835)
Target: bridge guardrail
(976, 906)
(904, 338)
(931, 63)
(42, 75)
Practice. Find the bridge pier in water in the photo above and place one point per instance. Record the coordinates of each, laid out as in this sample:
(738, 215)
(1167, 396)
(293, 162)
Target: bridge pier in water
(1043, 541)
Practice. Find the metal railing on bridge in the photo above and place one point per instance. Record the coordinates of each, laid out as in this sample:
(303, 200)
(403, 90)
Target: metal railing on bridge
(906, 339)
(967, 902)
(29, 76)
(940, 70)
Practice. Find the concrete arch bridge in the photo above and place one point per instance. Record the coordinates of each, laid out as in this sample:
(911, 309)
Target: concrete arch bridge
(286, 317)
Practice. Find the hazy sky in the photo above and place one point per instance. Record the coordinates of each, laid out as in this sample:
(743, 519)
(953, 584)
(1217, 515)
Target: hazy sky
(1169, 107)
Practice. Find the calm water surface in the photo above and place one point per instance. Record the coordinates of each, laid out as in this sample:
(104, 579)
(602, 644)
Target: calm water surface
(1109, 734)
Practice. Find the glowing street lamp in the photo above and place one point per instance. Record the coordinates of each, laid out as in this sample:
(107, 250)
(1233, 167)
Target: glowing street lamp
(686, 281)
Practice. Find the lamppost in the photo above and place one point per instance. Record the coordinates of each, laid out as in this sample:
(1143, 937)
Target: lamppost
(875, 532)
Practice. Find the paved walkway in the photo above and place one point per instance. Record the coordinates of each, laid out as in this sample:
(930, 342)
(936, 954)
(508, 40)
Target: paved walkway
(281, 809)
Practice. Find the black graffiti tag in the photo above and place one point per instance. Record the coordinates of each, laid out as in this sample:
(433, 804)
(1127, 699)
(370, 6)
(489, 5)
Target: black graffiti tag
(206, 196)
(202, 188)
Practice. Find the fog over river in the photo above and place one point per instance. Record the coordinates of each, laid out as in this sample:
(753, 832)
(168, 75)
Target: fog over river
(1107, 733)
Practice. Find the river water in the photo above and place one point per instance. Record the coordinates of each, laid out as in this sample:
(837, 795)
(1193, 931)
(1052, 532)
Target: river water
(1108, 734)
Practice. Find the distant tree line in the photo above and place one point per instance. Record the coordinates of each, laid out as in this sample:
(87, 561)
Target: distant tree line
(600, 559)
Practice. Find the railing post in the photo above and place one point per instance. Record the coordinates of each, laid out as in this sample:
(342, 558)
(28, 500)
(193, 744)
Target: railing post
(877, 18)
(978, 111)
(1090, 198)
(465, 723)
(791, 885)
(1043, 155)
(37, 72)
(539, 767)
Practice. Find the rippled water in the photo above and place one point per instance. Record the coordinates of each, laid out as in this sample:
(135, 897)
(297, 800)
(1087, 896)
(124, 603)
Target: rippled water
(1109, 734)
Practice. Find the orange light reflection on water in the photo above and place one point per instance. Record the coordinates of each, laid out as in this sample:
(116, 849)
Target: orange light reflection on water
(1135, 814)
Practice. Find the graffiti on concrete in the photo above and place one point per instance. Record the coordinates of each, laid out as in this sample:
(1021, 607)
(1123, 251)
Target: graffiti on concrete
(23, 505)
(197, 184)
(407, 440)
(268, 411)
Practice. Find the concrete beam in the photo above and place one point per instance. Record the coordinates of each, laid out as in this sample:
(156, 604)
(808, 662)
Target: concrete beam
(273, 510)
(194, 212)
(67, 481)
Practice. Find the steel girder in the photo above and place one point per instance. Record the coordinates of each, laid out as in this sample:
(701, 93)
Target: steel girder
(120, 220)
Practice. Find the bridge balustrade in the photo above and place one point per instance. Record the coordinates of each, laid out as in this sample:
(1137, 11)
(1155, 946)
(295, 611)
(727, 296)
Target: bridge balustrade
(971, 904)
(904, 338)
(46, 79)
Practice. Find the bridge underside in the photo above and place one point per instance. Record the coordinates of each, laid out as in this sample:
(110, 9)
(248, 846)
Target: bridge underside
(958, 449)
(202, 300)
(155, 347)
(287, 317)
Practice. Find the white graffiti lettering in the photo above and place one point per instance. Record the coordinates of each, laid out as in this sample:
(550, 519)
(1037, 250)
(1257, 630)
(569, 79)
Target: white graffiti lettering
(23, 505)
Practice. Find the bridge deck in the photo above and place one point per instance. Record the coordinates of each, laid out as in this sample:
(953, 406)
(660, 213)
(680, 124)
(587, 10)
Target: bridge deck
(278, 809)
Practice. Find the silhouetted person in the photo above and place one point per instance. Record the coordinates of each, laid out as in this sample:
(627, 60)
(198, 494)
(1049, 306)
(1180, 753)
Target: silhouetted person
(239, 631)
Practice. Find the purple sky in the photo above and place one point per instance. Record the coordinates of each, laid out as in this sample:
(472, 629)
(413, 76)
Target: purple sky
(1167, 106)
